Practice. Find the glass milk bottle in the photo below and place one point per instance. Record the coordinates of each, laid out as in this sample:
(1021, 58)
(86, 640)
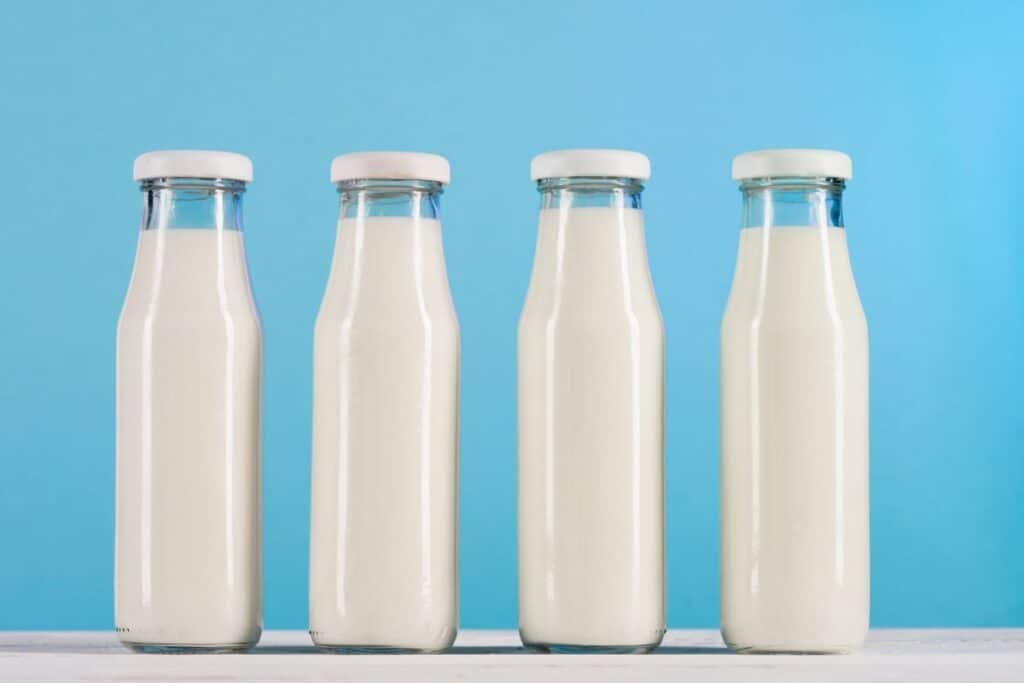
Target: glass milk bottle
(189, 373)
(385, 416)
(591, 356)
(794, 562)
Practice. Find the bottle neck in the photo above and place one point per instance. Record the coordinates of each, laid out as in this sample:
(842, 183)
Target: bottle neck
(809, 202)
(576, 193)
(390, 198)
(170, 203)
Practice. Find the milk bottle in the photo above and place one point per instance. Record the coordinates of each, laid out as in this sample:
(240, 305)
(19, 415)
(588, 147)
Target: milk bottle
(189, 371)
(794, 355)
(385, 416)
(591, 355)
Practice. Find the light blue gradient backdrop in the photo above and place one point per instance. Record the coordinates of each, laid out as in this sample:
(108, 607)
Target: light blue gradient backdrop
(926, 98)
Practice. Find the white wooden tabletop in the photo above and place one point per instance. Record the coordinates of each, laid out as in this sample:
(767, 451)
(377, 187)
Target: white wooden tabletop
(686, 656)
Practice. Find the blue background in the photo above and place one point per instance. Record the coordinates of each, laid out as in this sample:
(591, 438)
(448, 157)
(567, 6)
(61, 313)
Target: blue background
(926, 98)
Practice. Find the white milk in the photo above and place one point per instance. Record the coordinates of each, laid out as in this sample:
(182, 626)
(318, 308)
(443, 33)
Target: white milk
(591, 346)
(188, 445)
(385, 442)
(794, 565)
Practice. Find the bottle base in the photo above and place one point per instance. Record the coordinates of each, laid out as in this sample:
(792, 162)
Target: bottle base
(169, 649)
(791, 650)
(576, 649)
(376, 650)
(436, 645)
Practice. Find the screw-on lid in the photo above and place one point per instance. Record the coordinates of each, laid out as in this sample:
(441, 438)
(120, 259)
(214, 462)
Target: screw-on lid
(193, 163)
(792, 163)
(586, 163)
(390, 166)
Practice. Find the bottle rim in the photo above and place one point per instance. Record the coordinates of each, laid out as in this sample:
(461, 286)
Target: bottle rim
(590, 184)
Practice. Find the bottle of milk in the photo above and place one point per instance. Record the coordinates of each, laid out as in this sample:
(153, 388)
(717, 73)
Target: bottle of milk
(794, 562)
(591, 355)
(383, 567)
(189, 372)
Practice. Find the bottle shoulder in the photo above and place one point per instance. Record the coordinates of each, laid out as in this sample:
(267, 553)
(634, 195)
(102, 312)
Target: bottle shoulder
(170, 313)
(546, 318)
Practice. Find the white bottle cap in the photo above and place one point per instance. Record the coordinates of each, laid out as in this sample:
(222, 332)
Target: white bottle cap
(792, 163)
(391, 166)
(193, 163)
(590, 163)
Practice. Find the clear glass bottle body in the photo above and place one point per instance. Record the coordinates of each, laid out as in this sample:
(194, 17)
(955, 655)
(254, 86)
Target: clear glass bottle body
(189, 376)
(794, 405)
(383, 565)
(591, 376)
